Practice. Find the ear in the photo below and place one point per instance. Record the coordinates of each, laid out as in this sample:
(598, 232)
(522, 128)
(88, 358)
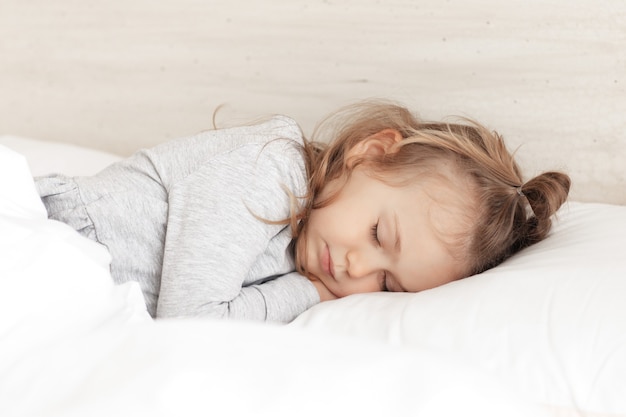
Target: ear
(377, 144)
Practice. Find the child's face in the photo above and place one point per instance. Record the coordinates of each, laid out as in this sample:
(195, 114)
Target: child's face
(377, 237)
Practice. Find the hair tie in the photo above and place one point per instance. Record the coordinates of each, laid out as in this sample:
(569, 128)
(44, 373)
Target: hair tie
(519, 191)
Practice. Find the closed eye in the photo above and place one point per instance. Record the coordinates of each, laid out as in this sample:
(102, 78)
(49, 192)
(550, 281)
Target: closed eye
(376, 240)
(383, 281)
(374, 233)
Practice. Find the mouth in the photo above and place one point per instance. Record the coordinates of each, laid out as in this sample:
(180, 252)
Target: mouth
(327, 262)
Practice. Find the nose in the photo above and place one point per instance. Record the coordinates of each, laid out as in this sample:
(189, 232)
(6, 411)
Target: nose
(362, 265)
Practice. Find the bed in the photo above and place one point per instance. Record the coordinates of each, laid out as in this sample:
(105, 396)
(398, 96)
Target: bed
(542, 334)
(85, 83)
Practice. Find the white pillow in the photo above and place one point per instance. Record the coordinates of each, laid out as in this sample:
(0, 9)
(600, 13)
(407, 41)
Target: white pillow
(550, 322)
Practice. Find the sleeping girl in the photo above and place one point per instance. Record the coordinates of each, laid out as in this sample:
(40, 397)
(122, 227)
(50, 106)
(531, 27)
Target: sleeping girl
(258, 223)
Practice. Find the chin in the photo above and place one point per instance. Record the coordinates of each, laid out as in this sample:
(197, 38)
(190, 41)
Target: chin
(340, 292)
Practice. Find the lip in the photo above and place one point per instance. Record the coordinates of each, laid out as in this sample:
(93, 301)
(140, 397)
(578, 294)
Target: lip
(327, 262)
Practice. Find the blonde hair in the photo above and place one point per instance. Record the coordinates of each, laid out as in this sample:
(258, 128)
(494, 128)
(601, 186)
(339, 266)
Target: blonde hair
(504, 214)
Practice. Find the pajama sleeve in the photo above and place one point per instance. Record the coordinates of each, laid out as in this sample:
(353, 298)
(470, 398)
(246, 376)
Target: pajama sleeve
(215, 237)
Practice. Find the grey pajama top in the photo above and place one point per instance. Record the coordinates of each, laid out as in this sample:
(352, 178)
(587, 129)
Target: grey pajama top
(179, 219)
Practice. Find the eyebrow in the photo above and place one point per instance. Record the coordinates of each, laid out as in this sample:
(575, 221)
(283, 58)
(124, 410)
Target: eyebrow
(398, 244)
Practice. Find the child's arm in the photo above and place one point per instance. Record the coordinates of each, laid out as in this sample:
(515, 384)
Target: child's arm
(214, 243)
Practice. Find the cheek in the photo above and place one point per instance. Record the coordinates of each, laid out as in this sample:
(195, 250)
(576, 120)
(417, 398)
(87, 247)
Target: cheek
(447, 275)
(300, 252)
(430, 276)
(437, 282)
(321, 220)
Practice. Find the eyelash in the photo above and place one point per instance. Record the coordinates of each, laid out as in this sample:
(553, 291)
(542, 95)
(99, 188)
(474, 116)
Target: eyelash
(374, 233)
(384, 287)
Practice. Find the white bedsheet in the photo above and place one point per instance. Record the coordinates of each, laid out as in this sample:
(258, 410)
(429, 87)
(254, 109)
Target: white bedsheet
(74, 344)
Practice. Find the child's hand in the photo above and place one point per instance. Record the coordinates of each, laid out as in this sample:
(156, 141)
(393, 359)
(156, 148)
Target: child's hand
(325, 294)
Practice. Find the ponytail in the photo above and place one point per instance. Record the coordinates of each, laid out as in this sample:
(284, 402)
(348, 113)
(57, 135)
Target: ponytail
(545, 194)
(511, 218)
